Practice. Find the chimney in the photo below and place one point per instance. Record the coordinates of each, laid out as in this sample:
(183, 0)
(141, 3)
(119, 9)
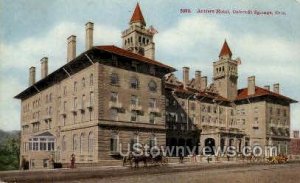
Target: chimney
(31, 76)
(89, 28)
(251, 85)
(267, 87)
(150, 51)
(203, 83)
(44, 67)
(198, 80)
(276, 88)
(71, 52)
(185, 72)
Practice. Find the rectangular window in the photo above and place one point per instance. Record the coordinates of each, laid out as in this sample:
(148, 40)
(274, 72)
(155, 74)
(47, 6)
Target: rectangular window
(114, 144)
(152, 118)
(114, 96)
(152, 102)
(133, 115)
(134, 100)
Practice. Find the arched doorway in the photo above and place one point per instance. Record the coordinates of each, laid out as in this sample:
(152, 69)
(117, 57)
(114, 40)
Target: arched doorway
(209, 146)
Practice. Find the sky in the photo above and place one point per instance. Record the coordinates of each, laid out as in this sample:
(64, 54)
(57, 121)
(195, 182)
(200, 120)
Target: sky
(268, 46)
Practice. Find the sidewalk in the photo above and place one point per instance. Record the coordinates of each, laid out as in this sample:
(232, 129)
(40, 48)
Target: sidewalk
(113, 171)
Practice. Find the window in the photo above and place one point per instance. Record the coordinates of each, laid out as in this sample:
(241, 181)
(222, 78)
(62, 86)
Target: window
(284, 113)
(152, 102)
(91, 80)
(91, 143)
(152, 86)
(75, 142)
(75, 86)
(83, 82)
(208, 109)
(75, 102)
(152, 141)
(134, 100)
(152, 118)
(134, 83)
(278, 111)
(65, 90)
(133, 116)
(114, 114)
(114, 96)
(134, 141)
(271, 110)
(114, 142)
(193, 106)
(81, 143)
(50, 97)
(255, 109)
(114, 79)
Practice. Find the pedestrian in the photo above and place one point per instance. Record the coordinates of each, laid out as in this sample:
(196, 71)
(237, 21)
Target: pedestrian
(73, 161)
(180, 157)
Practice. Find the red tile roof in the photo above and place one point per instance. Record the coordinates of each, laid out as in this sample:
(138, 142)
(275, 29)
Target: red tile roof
(121, 52)
(243, 94)
(225, 50)
(137, 15)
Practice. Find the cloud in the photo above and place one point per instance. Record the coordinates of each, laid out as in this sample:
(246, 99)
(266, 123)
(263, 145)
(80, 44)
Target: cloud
(17, 57)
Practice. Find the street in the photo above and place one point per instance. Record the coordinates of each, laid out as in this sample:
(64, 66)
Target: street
(256, 173)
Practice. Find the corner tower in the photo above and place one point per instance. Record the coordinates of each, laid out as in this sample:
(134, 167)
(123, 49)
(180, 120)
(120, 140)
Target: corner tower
(225, 73)
(137, 38)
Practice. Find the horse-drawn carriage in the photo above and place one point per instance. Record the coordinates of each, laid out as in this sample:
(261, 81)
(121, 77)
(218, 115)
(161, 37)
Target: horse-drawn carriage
(134, 159)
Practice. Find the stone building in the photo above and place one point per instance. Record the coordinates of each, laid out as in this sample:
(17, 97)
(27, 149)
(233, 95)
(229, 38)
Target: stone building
(107, 98)
(226, 115)
(99, 99)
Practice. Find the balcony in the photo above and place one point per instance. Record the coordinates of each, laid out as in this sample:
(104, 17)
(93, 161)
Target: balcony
(155, 110)
(80, 107)
(47, 117)
(90, 105)
(136, 107)
(73, 110)
(63, 112)
(115, 105)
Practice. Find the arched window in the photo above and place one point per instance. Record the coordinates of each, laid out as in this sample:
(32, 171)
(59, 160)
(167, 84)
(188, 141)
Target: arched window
(91, 143)
(91, 80)
(83, 82)
(134, 141)
(81, 143)
(75, 86)
(152, 141)
(152, 86)
(114, 140)
(134, 83)
(64, 143)
(114, 79)
(75, 142)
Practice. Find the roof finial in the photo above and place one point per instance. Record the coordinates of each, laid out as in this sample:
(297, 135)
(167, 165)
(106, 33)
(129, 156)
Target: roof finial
(137, 16)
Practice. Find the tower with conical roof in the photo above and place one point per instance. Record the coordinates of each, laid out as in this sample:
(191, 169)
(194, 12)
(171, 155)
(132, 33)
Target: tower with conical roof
(137, 38)
(225, 73)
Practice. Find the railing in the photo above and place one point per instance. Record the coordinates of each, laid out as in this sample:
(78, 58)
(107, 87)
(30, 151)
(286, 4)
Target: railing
(136, 107)
(116, 104)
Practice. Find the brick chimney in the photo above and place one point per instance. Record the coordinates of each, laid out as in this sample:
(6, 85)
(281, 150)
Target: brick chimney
(186, 73)
(71, 52)
(44, 67)
(203, 82)
(31, 76)
(89, 28)
(251, 85)
(267, 87)
(198, 80)
(149, 51)
(276, 88)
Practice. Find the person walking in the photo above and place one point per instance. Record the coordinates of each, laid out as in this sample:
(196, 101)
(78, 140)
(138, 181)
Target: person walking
(73, 161)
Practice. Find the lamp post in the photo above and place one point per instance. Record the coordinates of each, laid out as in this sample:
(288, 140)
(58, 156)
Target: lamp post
(188, 106)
